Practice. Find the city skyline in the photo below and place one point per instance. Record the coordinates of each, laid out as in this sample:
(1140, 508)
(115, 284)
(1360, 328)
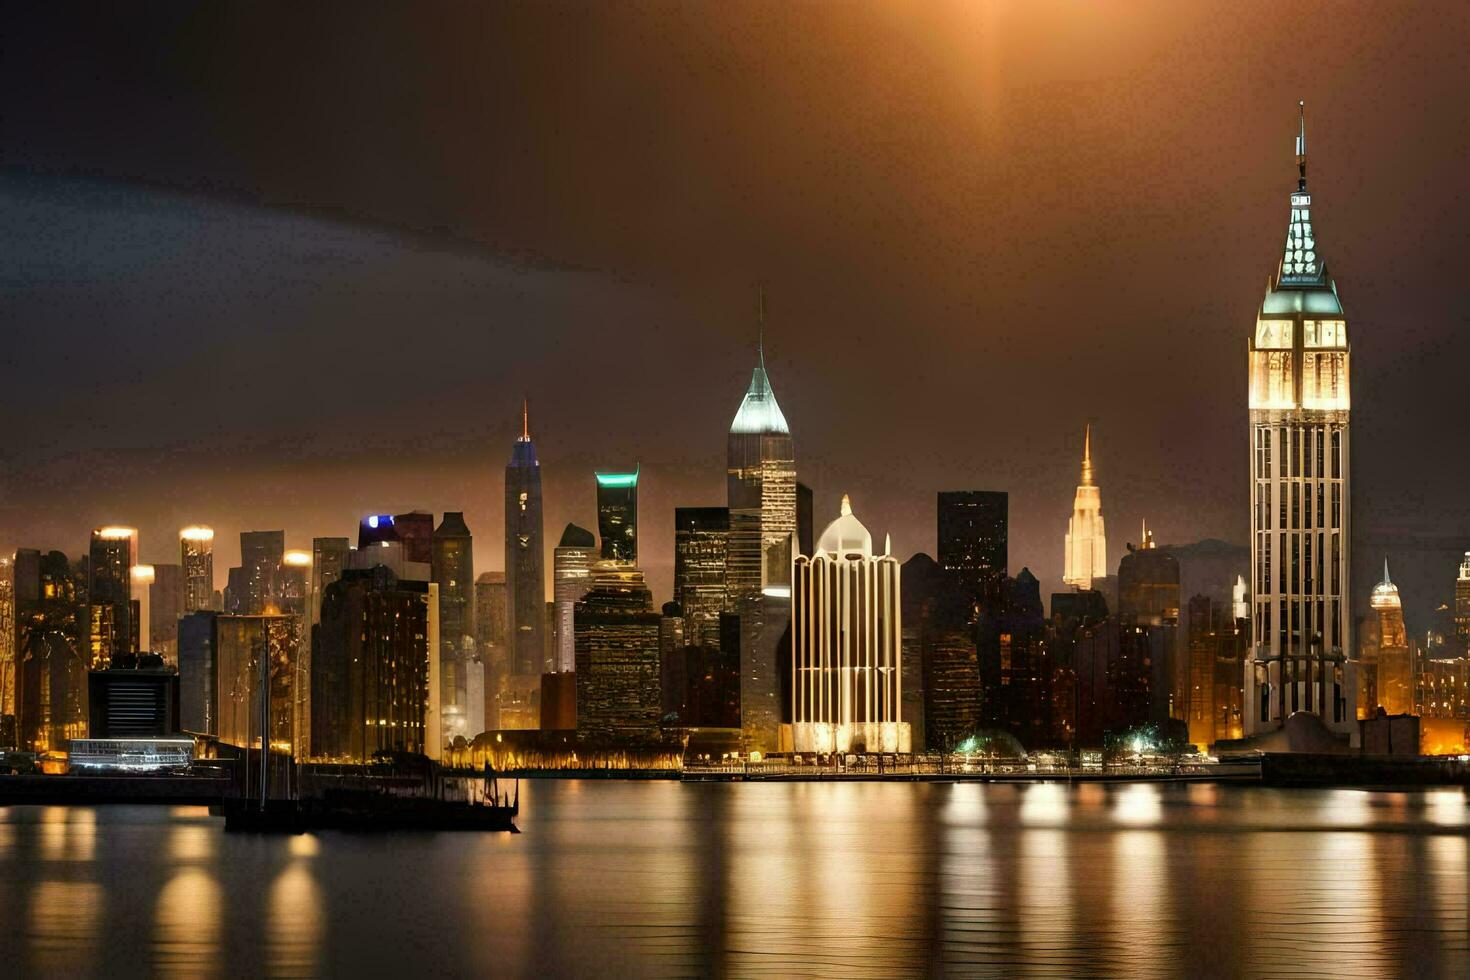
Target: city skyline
(1187, 179)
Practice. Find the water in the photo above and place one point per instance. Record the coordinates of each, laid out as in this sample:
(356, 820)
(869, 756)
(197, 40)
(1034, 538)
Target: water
(811, 879)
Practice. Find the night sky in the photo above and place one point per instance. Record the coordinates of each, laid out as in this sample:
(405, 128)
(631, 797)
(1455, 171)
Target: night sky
(270, 267)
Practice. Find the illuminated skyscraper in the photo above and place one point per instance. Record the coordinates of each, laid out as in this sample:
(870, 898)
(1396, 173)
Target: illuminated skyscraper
(261, 555)
(51, 652)
(196, 554)
(619, 696)
(1397, 671)
(761, 489)
(571, 573)
(7, 651)
(701, 545)
(617, 515)
(1086, 556)
(1300, 502)
(846, 681)
(112, 615)
(454, 571)
(237, 646)
(524, 556)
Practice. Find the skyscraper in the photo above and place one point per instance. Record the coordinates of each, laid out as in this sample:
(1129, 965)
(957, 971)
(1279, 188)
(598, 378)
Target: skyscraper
(1151, 663)
(238, 644)
(166, 597)
(973, 539)
(701, 547)
(196, 554)
(370, 666)
(1397, 670)
(1300, 503)
(846, 683)
(761, 490)
(7, 651)
(51, 652)
(524, 556)
(1462, 603)
(617, 515)
(261, 555)
(112, 616)
(454, 570)
(571, 574)
(328, 559)
(1086, 556)
(618, 691)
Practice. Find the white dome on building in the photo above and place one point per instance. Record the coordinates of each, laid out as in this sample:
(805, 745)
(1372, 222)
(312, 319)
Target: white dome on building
(1385, 593)
(846, 535)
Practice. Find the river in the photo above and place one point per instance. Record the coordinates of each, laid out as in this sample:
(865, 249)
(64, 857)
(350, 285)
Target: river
(777, 879)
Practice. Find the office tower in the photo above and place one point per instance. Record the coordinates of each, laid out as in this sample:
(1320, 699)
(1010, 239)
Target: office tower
(524, 556)
(1217, 647)
(454, 571)
(617, 650)
(1462, 604)
(804, 529)
(196, 554)
(847, 682)
(135, 697)
(939, 639)
(1086, 556)
(416, 530)
(261, 555)
(370, 666)
(7, 652)
(51, 636)
(973, 538)
(111, 614)
(761, 492)
(166, 598)
(1299, 463)
(1152, 667)
(196, 672)
(1397, 670)
(140, 587)
(239, 643)
(293, 584)
(1015, 672)
(491, 639)
(571, 574)
(764, 622)
(701, 548)
(328, 559)
(672, 664)
(617, 515)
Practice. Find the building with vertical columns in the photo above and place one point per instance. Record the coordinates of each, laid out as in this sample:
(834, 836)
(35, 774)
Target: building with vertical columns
(1086, 556)
(1298, 370)
(846, 680)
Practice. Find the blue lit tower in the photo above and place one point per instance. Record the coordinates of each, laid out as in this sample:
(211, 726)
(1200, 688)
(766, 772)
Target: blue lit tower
(525, 583)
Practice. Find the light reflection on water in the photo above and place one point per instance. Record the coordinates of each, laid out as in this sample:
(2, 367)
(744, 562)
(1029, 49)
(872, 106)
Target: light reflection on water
(817, 879)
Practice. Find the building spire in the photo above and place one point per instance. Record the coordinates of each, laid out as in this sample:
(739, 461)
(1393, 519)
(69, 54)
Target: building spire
(1386, 579)
(525, 420)
(1301, 146)
(760, 312)
(1087, 456)
(846, 505)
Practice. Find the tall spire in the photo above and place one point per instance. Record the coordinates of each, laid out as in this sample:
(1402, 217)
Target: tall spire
(1087, 456)
(760, 343)
(1386, 579)
(525, 420)
(1301, 146)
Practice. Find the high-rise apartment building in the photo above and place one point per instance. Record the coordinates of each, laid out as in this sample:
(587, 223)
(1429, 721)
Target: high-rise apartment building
(112, 614)
(1086, 554)
(1299, 488)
